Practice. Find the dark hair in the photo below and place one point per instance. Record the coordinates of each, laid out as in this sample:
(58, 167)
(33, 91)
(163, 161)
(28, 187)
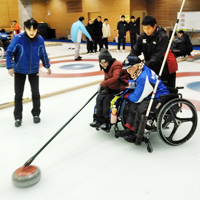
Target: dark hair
(106, 19)
(123, 16)
(149, 20)
(14, 21)
(99, 17)
(132, 17)
(181, 31)
(81, 18)
(2, 30)
(31, 22)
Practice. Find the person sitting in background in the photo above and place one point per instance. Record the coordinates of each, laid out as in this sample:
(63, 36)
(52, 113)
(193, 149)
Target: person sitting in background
(4, 39)
(181, 45)
(144, 80)
(108, 88)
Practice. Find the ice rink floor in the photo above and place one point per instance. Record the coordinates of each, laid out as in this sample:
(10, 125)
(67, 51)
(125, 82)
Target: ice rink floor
(82, 163)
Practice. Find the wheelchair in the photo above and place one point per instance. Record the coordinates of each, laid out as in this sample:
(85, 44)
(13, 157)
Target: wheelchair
(174, 119)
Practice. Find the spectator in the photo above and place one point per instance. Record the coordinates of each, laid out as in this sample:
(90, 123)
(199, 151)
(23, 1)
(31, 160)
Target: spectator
(122, 28)
(106, 32)
(133, 31)
(90, 29)
(98, 33)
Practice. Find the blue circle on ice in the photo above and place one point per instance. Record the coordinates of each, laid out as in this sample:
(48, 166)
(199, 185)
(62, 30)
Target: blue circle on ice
(194, 86)
(76, 66)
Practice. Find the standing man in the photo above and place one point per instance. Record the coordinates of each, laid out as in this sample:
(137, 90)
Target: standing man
(23, 58)
(98, 33)
(106, 32)
(122, 28)
(133, 30)
(90, 29)
(76, 34)
(153, 44)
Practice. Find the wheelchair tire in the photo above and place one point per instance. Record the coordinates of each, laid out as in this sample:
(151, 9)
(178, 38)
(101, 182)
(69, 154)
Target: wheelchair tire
(177, 121)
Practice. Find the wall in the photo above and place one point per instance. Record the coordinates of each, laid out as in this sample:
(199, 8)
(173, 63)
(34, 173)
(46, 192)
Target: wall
(9, 11)
(60, 20)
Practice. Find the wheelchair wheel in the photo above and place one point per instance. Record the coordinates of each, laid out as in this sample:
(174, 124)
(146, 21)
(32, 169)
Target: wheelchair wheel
(177, 121)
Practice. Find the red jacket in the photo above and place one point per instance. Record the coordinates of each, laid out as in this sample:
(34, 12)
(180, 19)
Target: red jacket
(111, 77)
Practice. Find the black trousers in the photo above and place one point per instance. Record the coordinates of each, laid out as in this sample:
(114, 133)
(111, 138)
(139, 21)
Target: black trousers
(133, 38)
(90, 46)
(19, 82)
(134, 111)
(122, 39)
(103, 105)
(98, 40)
(105, 42)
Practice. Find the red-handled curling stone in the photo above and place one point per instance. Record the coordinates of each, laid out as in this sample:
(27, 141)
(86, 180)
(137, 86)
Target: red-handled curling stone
(26, 176)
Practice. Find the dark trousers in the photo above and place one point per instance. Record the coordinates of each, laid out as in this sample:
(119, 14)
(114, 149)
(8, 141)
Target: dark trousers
(169, 80)
(19, 81)
(90, 46)
(103, 105)
(98, 40)
(134, 112)
(122, 39)
(133, 38)
(105, 42)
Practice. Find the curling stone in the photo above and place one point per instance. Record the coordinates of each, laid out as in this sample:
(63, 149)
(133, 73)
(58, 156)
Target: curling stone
(26, 176)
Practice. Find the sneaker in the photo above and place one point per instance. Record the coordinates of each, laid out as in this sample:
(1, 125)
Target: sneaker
(125, 132)
(95, 124)
(123, 51)
(36, 119)
(78, 58)
(105, 127)
(18, 122)
(130, 138)
(118, 50)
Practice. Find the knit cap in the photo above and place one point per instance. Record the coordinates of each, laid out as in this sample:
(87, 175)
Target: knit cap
(105, 56)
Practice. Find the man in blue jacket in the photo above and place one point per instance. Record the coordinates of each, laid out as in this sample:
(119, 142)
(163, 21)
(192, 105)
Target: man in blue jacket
(142, 83)
(23, 57)
(76, 34)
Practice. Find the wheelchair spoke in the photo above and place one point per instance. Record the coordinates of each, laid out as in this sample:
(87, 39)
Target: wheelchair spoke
(182, 120)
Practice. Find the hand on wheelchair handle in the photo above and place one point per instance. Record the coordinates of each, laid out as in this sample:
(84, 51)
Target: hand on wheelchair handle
(123, 81)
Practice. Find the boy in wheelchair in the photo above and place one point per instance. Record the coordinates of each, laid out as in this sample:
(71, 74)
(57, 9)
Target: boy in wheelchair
(108, 88)
(138, 98)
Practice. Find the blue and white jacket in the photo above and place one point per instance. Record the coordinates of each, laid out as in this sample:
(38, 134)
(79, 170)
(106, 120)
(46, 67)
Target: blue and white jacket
(144, 86)
(24, 54)
(76, 31)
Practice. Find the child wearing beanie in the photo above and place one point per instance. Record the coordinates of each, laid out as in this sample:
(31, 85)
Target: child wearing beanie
(108, 88)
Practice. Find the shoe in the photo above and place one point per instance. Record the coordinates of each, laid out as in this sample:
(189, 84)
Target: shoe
(118, 50)
(123, 51)
(125, 132)
(105, 127)
(78, 58)
(130, 138)
(95, 124)
(18, 122)
(36, 119)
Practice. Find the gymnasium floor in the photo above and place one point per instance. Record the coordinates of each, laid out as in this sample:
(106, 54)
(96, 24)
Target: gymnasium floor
(82, 163)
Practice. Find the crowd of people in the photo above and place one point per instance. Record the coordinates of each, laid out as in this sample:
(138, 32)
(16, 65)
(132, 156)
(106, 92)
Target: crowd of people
(152, 43)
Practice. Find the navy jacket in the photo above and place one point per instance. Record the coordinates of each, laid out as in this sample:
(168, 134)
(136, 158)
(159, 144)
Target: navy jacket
(24, 54)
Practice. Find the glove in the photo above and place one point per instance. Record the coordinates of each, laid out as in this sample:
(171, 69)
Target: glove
(123, 81)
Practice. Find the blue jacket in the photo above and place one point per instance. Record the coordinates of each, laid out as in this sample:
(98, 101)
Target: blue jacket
(144, 86)
(3, 36)
(76, 31)
(24, 54)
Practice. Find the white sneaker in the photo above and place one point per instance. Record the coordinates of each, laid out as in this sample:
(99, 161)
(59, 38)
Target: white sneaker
(123, 51)
(118, 50)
